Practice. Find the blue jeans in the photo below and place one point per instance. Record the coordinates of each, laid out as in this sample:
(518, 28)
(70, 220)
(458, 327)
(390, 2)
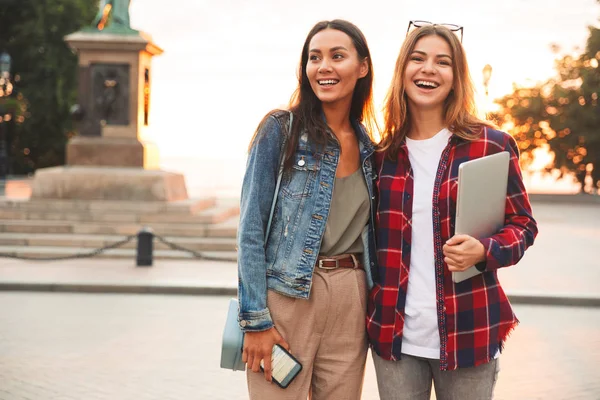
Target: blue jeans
(410, 379)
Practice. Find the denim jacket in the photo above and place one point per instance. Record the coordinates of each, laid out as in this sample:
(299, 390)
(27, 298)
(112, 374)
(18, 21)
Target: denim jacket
(286, 262)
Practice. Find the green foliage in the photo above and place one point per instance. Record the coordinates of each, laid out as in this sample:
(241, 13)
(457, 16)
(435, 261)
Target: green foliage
(44, 74)
(562, 113)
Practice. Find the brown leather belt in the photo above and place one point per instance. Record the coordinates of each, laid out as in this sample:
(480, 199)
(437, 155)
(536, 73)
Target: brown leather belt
(341, 261)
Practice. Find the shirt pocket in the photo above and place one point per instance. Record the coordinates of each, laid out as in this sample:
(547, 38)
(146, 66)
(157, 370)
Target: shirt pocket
(451, 203)
(391, 192)
(299, 180)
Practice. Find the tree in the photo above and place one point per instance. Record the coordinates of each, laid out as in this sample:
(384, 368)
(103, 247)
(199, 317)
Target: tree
(44, 74)
(562, 113)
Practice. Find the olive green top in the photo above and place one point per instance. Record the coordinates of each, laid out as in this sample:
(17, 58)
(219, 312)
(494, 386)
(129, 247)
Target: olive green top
(348, 215)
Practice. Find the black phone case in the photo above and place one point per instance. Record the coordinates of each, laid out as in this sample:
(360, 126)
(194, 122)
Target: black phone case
(291, 380)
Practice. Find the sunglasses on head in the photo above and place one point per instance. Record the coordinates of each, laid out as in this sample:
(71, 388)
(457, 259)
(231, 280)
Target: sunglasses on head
(415, 24)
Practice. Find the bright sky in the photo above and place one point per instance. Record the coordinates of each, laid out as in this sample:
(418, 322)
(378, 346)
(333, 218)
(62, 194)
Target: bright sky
(228, 62)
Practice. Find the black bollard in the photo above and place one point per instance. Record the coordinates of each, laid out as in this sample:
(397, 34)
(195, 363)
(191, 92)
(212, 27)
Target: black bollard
(145, 239)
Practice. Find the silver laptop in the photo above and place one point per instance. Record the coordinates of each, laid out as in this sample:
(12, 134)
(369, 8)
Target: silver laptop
(481, 200)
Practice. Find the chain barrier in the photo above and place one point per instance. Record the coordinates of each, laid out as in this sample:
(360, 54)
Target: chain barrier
(115, 245)
(74, 256)
(195, 253)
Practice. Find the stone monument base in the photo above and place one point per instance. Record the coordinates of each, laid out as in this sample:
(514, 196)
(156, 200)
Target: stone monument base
(111, 152)
(107, 183)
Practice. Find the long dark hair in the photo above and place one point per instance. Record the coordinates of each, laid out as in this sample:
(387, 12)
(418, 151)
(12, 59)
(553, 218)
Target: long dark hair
(306, 106)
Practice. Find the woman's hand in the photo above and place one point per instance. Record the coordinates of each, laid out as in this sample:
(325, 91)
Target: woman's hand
(259, 346)
(462, 252)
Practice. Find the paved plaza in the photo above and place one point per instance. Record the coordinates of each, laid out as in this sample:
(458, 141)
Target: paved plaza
(80, 346)
(152, 347)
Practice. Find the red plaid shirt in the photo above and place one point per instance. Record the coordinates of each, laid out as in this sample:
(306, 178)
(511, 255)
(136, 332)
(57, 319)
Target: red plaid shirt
(474, 316)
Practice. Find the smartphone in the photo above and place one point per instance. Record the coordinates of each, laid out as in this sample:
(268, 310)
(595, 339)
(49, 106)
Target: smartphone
(284, 366)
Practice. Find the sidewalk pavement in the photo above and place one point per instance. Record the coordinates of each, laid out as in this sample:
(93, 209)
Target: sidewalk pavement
(182, 277)
(121, 347)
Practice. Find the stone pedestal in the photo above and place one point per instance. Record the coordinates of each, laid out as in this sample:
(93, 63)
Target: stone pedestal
(110, 158)
(108, 183)
(114, 95)
(111, 152)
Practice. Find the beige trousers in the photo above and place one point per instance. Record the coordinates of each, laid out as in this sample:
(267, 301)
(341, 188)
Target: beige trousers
(326, 333)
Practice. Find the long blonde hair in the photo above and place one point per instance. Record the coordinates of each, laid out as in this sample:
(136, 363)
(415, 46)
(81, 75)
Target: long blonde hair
(460, 111)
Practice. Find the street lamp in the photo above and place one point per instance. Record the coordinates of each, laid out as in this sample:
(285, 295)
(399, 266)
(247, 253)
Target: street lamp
(5, 62)
(487, 74)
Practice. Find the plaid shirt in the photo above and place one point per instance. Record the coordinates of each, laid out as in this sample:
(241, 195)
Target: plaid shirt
(474, 316)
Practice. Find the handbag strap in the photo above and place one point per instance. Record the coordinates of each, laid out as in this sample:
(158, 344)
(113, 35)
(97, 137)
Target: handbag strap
(279, 175)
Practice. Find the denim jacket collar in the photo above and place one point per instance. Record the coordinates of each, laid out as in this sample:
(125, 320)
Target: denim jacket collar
(365, 143)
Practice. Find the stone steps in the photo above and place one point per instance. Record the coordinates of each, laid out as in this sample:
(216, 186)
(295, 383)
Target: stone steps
(201, 215)
(225, 229)
(48, 252)
(42, 228)
(211, 216)
(90, 242)
(180, 207)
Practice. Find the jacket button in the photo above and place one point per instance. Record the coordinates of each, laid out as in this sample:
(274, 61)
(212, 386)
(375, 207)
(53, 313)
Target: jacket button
(243, 323)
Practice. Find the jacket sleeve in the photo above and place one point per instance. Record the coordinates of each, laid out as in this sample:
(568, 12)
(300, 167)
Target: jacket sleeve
(258, 188)
(520, 229)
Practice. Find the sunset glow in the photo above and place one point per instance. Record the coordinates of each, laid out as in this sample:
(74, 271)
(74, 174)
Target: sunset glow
(542, 159)
(224, 67)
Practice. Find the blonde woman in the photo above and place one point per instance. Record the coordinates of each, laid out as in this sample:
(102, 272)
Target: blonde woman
(422, 326)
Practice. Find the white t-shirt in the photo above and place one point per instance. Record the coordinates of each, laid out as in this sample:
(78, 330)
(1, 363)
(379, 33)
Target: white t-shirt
(421, 336)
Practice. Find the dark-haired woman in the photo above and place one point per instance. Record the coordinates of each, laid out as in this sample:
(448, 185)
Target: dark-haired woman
(305, 286)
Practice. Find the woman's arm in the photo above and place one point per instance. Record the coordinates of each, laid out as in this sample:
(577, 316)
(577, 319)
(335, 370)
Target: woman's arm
(258, 190)
(508, 246)
(257, 195)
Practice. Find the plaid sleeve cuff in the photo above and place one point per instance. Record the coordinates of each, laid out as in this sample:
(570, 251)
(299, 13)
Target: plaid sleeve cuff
(491, 262)
(481, 266)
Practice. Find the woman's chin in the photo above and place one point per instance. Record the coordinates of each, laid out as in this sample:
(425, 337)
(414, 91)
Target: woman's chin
(427, 104)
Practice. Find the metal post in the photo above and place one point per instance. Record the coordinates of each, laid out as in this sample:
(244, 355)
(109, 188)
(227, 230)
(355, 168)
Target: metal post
(3, 153)
(5, 64)
(487, 74)
(145, 239)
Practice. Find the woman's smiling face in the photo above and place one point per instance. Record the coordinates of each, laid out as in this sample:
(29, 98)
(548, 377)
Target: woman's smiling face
(428, 76)
(334, 67)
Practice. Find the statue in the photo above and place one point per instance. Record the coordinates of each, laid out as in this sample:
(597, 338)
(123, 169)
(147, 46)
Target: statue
(117, 10)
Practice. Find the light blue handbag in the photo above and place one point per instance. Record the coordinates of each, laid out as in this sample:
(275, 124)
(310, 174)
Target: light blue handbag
(233, 337)
(233, 340)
